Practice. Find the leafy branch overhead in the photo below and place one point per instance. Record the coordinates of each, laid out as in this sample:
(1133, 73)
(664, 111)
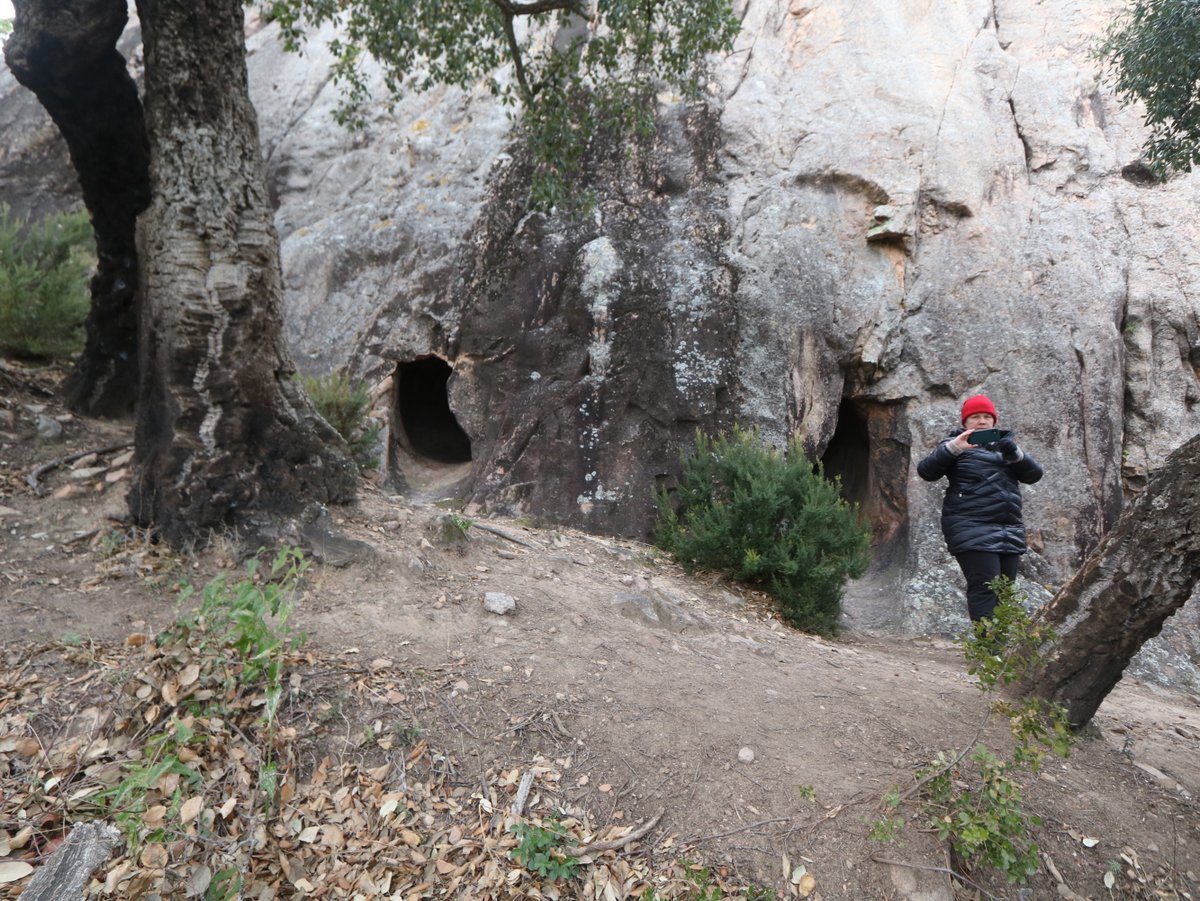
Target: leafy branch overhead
(578, 69)
(1151, 53)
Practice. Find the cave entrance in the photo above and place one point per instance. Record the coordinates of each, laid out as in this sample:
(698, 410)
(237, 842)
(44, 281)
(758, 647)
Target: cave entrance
(427, 425)
(869, 451)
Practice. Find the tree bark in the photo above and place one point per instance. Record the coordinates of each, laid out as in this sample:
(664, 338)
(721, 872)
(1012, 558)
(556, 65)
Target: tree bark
(66, 54)
(65, 875)
(225, 436)
(1141, 573)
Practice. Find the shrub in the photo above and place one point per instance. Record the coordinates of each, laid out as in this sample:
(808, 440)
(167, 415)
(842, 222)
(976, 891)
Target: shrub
(972, 798)
(43, 284)
(344, 403)
(766, 518)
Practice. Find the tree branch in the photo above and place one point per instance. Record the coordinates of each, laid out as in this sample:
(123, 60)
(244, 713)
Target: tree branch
(954, 874)
(632, 837)
(67, 870)
(510, 10)
(33, 480)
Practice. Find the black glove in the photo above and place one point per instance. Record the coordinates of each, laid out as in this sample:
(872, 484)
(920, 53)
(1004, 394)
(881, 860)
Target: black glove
(1008, 449)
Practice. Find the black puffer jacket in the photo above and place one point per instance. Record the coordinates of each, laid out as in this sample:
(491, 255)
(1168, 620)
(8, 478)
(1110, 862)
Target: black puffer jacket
(982, 509)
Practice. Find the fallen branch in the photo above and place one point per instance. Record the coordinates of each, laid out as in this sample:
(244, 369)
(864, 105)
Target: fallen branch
(518, 805)
(503, 534)
(616, 844)
(82, 536)
(20, 381)
(953, 874)
(33, 480)
(64, 874)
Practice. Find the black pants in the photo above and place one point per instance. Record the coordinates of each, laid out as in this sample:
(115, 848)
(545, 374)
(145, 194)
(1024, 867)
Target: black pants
(980, 567)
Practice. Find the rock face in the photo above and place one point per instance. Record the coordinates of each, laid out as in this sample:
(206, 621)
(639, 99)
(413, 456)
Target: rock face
(886, 207)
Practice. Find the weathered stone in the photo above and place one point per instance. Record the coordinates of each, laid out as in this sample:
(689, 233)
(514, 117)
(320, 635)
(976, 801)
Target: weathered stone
(499, 603)
(48, 428)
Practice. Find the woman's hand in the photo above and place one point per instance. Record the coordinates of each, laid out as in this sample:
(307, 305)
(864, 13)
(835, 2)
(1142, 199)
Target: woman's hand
(959, 443)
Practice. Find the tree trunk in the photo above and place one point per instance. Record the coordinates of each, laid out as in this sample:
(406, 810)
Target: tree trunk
(225, 436)
(1140, 574)
(66, 54)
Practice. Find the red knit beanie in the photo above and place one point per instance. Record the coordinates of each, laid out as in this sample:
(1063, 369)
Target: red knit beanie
(978, 404)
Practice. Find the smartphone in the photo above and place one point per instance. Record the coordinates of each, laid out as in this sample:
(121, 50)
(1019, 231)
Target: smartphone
(986, 436)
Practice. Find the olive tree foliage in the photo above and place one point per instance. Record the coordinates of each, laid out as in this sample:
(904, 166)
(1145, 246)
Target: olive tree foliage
(1151, 53)
(578, 70)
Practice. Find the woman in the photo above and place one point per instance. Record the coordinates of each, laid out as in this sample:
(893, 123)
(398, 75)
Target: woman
(981, 515)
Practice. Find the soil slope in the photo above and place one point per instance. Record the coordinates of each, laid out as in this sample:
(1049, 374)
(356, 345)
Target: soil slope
(648, 689)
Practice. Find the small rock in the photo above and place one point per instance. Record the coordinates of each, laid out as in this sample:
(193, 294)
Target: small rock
(1167, 782)
(66, 492)
(116, 475)
(88, 472)
(626, 580)
(48, 428)
(746, 755)
(84, 461)
(496, 602)
(9, 511)
(122, 459)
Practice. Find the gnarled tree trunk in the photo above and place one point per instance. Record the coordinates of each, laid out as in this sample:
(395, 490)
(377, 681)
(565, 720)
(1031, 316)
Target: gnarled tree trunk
(66, 54)
(1140, 574)
(225, 436)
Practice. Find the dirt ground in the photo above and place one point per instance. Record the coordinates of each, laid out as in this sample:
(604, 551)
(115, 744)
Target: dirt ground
(650, 689)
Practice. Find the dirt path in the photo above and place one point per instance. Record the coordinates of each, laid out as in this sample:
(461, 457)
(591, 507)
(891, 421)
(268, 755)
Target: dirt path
(648, 689)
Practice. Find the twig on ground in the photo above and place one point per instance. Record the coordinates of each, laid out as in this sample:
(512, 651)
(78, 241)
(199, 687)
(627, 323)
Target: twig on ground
(616, 844)
(451, 711)
(967, 748)
(508, 536)
(953, 874)
(33, 480)
(81, 537)
(737, 772)
(708, 838)
(20, 381)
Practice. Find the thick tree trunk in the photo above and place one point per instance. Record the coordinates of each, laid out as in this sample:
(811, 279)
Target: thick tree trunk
(225, 437)
(66, 54)
(1141, 573)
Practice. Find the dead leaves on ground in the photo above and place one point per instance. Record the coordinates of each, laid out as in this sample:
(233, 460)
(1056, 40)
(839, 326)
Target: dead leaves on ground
(214, 805)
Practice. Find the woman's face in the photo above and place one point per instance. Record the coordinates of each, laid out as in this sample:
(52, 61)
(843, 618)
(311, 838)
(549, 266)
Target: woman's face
(980, 421)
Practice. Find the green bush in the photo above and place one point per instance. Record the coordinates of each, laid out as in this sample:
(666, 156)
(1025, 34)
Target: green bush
(344, 403)
(766, 518)
(43, 284)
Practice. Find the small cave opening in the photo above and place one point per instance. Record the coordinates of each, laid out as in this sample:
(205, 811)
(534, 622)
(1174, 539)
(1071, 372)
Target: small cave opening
(869, 452)
(422, 411)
